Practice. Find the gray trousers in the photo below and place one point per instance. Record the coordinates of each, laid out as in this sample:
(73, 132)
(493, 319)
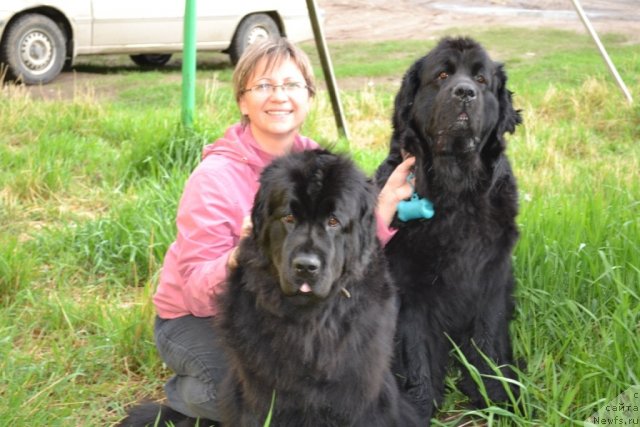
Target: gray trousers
(189, 347)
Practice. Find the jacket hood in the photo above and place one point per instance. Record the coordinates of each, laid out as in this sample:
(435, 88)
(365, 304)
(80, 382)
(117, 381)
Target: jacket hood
(237, 144)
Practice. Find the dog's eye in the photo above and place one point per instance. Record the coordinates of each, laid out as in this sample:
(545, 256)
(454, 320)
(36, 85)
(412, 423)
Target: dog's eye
(480, 79)
(289, 219)
(333, 222)
(443, 76)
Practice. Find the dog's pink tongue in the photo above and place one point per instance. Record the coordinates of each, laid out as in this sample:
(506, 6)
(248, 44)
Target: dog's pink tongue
(305, 288)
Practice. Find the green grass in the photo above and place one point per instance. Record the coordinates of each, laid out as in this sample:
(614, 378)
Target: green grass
(89, 186)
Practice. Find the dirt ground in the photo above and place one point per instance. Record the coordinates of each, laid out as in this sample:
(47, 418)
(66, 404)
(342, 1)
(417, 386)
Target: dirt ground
(420, 19)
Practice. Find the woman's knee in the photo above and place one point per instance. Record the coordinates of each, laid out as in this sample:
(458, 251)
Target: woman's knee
(188, 345)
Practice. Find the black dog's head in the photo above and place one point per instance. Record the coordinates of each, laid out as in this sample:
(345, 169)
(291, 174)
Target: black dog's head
(453, 107)
(313, 221)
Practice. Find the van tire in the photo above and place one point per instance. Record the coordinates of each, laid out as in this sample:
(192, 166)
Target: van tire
(34, 49)
(151, 60)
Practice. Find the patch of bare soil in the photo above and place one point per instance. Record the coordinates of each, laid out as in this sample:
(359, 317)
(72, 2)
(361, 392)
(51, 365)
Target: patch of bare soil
(423, 19)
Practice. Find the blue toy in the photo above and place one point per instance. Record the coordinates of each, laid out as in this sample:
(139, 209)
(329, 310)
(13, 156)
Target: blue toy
(415, 208)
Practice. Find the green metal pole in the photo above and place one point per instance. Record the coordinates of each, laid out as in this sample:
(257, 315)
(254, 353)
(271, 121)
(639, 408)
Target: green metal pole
(189, 64)
(327, 69)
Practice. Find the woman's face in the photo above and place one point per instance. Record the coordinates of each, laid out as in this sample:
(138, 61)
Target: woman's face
(275, 113)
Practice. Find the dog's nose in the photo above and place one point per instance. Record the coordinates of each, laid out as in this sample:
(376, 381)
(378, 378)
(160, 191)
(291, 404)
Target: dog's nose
(306, 264)
(464, 92)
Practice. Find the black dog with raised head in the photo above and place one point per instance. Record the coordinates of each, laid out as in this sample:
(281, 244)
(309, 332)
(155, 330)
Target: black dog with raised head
(454, 271)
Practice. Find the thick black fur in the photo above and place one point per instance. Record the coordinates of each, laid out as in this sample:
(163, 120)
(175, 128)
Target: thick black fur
(324, 354)
(454, 271)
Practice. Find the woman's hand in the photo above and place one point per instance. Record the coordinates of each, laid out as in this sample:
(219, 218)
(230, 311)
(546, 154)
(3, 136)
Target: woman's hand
(396, 189)
(245, 231)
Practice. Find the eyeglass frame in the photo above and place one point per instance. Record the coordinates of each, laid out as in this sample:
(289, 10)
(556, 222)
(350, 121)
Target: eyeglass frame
(287, 87)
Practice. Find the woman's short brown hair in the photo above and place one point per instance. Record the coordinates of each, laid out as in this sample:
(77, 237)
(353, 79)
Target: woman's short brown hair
(274, 50)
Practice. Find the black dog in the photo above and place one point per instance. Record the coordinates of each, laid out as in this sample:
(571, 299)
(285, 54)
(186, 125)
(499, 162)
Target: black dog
(310, 314)
(454, 271)
(308, 318)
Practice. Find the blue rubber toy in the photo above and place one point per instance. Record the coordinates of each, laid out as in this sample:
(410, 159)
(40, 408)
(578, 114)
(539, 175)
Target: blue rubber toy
(415, 208)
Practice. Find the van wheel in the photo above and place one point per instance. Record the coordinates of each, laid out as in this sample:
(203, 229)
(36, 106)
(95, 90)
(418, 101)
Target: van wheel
(253, 27)
(34, 49)
(151, 60)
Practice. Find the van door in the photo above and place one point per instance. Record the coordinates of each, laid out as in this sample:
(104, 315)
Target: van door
(137, 24)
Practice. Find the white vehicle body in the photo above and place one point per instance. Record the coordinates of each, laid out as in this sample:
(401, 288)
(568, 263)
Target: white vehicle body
(35, 35)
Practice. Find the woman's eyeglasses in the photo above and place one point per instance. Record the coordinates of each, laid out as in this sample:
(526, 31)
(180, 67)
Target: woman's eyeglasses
(290, 88)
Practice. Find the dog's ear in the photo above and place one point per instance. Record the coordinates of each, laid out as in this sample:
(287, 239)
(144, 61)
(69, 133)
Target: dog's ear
(401, 120)
(368, 202)
(364, 241)
(508, 117)
(264, 202)
(258, 213)
(403, 103)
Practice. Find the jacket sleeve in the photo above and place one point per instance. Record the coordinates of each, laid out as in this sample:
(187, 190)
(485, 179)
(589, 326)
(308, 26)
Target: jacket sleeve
(384, 232)
(208, 229)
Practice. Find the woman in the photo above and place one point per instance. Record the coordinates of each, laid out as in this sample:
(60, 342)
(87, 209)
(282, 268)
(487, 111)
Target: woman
(273, 84)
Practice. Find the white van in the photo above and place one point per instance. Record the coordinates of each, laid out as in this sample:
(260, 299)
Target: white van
(38, 38)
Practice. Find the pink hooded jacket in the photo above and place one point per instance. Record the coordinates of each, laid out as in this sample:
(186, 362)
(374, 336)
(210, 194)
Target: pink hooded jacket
(217, 197)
